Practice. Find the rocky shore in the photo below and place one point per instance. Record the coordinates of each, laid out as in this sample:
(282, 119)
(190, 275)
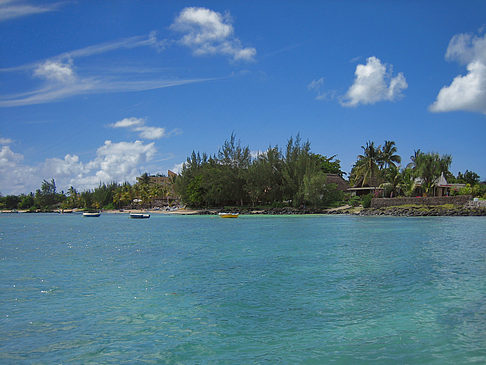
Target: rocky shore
(400, 211)
(424, 211)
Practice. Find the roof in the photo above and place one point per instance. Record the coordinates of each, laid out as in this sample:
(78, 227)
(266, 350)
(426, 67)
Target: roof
(365, 188)
(338, 180)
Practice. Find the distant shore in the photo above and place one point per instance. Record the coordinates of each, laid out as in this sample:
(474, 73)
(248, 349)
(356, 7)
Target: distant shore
(401, 211)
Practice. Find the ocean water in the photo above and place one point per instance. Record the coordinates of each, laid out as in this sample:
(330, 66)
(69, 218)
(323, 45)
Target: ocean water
(252, 290)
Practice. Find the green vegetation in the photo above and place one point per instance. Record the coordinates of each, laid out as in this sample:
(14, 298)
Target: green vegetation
(105, 196)
(377, 167)
(293, 176)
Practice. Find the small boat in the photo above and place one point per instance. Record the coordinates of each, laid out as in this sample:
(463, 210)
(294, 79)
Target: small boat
(139, 215)
(229, 215)
(91, 214)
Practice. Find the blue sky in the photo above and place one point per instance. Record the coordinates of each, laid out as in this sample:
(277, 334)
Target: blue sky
(102, 91)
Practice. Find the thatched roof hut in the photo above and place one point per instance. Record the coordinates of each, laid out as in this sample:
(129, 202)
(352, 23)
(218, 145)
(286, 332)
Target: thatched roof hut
(342, 184)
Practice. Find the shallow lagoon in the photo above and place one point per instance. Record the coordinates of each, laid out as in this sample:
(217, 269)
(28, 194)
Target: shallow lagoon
(257, 289)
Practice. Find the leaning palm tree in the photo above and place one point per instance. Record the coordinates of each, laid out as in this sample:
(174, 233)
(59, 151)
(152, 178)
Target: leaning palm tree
(416, 155)
(366, 170)
(388, 155)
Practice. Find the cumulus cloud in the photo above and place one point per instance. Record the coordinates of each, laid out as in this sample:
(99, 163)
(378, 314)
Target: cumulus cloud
(466, 92)
(177, 168)
(113, 162)
(208, 32)
(373, 83)
(138, 125)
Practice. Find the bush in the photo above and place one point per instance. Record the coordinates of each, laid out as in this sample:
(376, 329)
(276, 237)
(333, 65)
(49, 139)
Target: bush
(354, 201)
(366, 200)
(109, 207)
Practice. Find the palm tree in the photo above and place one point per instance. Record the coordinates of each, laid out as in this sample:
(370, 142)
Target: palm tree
(412, 165)
(366, 169)
(388, 155)
(393, 180)
(429, 167)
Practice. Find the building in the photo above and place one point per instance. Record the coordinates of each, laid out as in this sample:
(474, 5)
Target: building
(441, 187)
(167, 182)
(342, 184)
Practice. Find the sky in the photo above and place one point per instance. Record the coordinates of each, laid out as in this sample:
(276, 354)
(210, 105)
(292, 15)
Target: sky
(96, 92)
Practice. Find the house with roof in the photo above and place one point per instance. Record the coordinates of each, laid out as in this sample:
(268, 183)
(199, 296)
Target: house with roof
(441, 186)
(167, 182)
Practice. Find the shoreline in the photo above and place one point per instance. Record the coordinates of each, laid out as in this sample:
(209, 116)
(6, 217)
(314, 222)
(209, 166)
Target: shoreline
(396, 211)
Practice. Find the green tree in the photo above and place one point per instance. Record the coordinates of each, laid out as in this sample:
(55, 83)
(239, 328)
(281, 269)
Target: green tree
(388, 155)
(429, 167)
(469, 177)
(366, 171)
(27, 201)
(393, 181)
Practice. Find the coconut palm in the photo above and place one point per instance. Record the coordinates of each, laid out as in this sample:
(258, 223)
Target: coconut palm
(366, 170)
(414, 158)
(393, 180)
(429, 167)
(388, 155)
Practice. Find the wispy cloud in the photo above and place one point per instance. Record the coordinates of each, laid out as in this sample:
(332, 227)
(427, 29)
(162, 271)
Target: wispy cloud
(10, 9)
(126, 43)
(205, 31)
(316, 86)
(145, 132)
(55, 91)
(5, 140)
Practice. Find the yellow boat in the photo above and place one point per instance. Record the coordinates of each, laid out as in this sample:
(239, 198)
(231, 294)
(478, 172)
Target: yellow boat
(229, 215)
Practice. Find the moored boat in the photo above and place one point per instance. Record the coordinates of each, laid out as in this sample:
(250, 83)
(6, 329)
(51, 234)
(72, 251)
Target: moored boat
(139, 215)
(91, 214)
(229, 215)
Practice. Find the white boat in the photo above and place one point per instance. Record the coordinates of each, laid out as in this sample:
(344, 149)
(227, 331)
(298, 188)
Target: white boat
(229, 215)
(91, 214)
(139, 215)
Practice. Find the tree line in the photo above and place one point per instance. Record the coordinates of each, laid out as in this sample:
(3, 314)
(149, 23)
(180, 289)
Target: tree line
(288, 176)
(105, 196)
(379, 166)
(232, 177)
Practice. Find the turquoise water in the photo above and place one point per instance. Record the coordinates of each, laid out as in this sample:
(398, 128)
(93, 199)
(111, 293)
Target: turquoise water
(205, 290)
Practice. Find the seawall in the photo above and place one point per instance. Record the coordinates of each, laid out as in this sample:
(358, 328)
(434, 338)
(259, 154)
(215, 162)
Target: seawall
(459, 200)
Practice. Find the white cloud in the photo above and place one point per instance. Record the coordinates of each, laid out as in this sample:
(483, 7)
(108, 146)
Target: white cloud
(138, 125)
(316, 86)
(118, 162)
(150, 132)
(374, 83)
(10, 9)
(55, 71)
(5, 140)
(60, 81)
(8, 157)
(255, 154)
(54, 91)
(466, 92)
(128, 122)
(208, 32)
(177, 168)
